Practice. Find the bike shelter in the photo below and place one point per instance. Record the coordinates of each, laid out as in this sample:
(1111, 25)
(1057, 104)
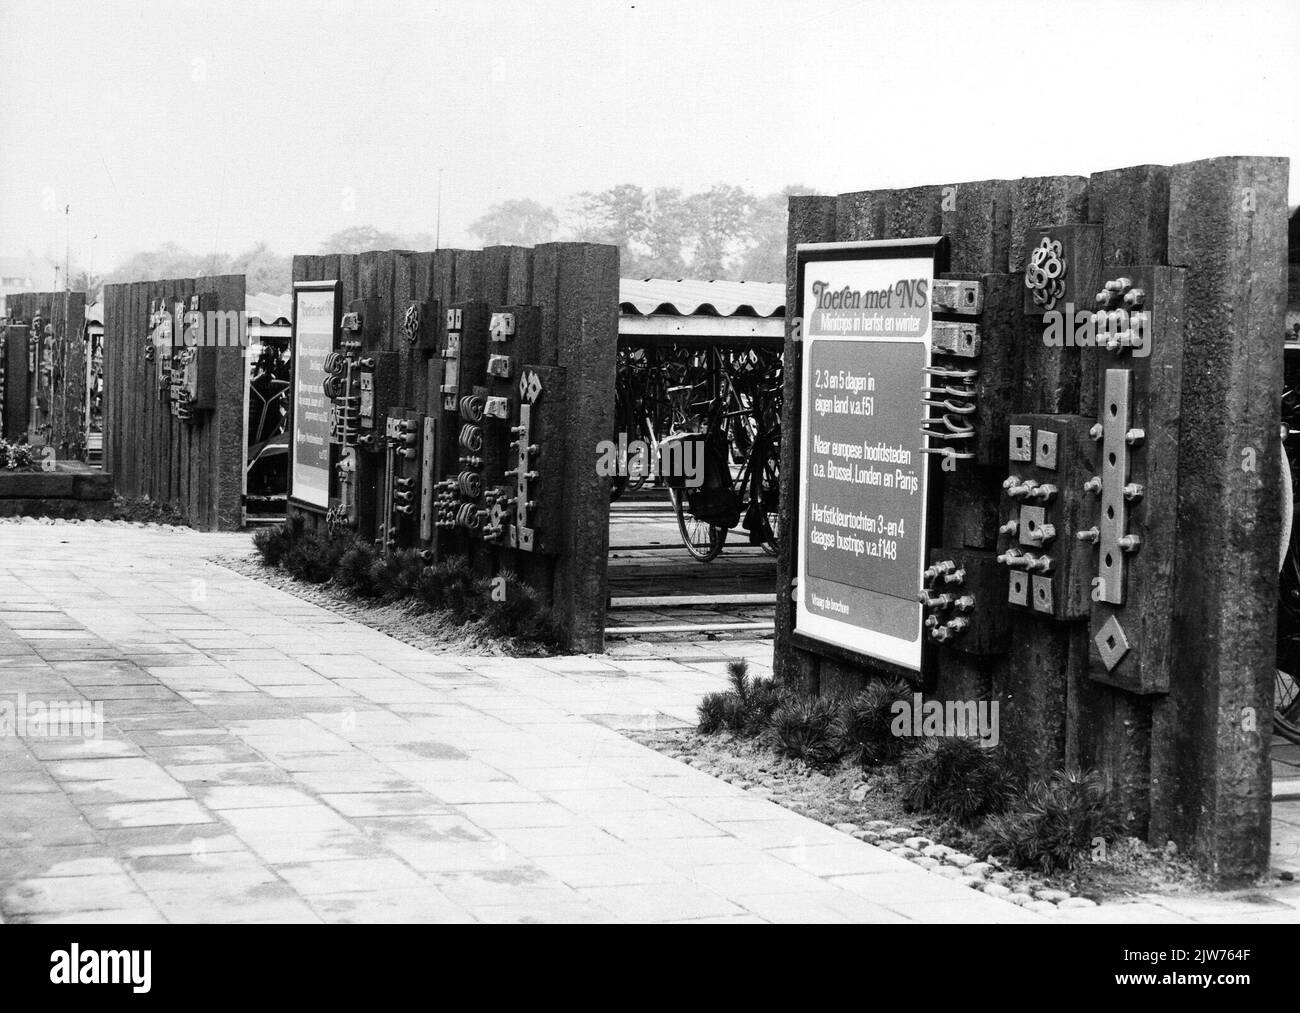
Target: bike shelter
(693, 452)
(268, 402)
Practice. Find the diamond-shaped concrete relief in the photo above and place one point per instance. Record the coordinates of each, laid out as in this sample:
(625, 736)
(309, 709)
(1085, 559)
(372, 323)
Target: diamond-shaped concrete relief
(530, 386)
(1112, 644)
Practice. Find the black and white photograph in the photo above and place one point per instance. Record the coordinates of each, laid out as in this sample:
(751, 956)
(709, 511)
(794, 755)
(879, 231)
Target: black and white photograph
(584, 463)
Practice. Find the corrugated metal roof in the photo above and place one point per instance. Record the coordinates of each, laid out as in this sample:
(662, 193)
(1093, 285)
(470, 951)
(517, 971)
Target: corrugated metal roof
(688, 297)
(269, 308)
(643, 297)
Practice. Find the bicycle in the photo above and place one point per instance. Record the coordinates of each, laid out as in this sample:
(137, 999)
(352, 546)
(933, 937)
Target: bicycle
(739, 443)
(651, 396)
(719, 409)
(270, 405)
(1286, 682)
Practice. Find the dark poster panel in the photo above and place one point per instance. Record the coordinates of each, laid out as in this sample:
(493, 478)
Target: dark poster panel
(863, 479)
(315, 328)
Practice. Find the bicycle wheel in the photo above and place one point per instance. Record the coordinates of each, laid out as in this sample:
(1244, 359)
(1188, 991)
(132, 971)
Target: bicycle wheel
(703, 540)
(639, 464)
(770, 490)
(1286, 681)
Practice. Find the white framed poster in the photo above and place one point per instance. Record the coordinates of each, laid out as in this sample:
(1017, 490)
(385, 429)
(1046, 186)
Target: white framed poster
(316, 315)
(865, 314)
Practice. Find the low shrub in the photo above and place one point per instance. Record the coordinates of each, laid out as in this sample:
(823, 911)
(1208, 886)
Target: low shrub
(1054, 823)
(745, 709)
(273, 543)
(512, 608)
(758, 699)
(803, 729)
(314, 557)
(735, 716)
(356, 570)
(398, 574)
(764, 698)
(735, 705)
(864, 724)
(448, 586)
(711, 712)
(360, 568)
(957, 778)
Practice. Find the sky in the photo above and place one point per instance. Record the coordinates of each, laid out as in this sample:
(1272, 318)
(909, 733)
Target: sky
(218, 124)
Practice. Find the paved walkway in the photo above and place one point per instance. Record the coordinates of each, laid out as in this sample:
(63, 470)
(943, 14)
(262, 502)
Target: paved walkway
(266, 760)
